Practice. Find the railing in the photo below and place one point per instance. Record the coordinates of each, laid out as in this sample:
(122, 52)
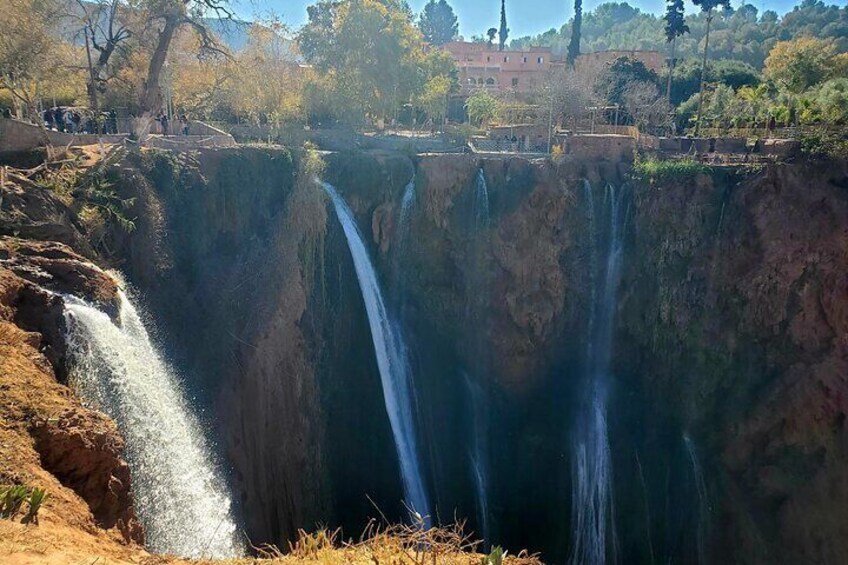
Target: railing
(483, 145)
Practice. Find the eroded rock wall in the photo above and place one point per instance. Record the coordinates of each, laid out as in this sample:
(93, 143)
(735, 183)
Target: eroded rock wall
(734, 316)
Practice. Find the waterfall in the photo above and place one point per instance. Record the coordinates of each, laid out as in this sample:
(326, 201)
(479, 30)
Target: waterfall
(478, 455)
(407, 203)
(391, 360)
(476, 304)
(480, 208)
(179, 497)
(592, 504)
(703, 501)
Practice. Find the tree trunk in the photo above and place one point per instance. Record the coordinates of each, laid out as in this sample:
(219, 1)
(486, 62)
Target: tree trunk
(92, 82)
(151, 95)
(703, 72)
(671, 69)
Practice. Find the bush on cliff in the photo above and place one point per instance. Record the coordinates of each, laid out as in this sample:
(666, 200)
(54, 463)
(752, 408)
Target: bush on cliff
(654, 170)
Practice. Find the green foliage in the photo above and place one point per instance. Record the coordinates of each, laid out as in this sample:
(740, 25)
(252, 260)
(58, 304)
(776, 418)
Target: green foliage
(803, 63)
(481, 107)
(99, 192)
(369, 58)
(822, 144)
(13, 497)
(576, 30)
(659, 170)
(37, 496)
(496, 556)
(11, 500)
(503, 32)
(743, 33)
(686, 77)
(438, 23)
(675, 22)
(614, 81)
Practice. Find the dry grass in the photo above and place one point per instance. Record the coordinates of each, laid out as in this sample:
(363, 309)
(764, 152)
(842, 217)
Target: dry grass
(382, 545)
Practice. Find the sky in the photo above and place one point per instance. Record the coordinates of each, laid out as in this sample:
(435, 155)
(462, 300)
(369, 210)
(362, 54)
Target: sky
(524, 17)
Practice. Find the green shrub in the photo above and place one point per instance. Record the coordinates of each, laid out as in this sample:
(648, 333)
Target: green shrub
(495, 557)
(654, 170)
(13, 497)
(820, 143)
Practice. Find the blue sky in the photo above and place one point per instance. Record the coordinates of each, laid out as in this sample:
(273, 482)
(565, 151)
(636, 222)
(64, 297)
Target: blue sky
(525, 17)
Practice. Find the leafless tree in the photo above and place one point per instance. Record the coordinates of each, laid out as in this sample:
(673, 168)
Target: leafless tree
(646, 106)
(105, 34)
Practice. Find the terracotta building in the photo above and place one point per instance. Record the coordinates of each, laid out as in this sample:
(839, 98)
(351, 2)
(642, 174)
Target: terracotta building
(482, 66)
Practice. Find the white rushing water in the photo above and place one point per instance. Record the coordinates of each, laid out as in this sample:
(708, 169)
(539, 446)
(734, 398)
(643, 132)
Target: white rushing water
(391, 360)
(481, 202)
(592, 505)
(478, 456)
(703, 500)
(179, 497)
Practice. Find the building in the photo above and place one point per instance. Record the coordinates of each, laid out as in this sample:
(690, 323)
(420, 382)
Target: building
(482, 66)
(653, 60)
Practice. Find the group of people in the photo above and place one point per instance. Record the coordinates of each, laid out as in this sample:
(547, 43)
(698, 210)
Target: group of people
(164, 123)
(73, 120)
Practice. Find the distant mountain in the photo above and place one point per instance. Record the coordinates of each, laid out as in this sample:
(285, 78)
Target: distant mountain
(233, 33)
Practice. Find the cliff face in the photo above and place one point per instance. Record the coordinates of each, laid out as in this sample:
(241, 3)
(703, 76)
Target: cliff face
(734, 315)
(729, 359)
(47, 438)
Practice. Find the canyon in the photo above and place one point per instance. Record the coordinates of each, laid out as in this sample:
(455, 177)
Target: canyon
(713, 304)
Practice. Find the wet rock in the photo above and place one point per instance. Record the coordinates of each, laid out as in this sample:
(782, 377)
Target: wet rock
(83, 449)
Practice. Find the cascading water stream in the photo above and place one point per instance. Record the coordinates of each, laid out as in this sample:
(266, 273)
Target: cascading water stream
(475, 305)
(478, 455)
(703, 502)
(179, 497)
(391, 360)
(480, 209)
(593, 508)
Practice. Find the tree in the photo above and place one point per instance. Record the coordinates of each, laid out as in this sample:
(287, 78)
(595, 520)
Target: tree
(491, 33)
(802, 63)
(645, 105)
(438, 23)
(105, 34)
(166, 17)
(613, 82)
(31, 54)
(707, 6)
(481, 107)
(504, 31)
(369, 54)
(576, 30)
(675, 26)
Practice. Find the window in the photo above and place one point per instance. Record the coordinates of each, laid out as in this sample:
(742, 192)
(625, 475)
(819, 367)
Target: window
(524, 59)
(490, 81)
(506, 59)
(540, 60)
(472, 81)
(515, 82)
(488, 59)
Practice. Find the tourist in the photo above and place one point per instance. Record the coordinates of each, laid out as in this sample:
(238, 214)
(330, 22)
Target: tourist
(68, 119)
(112, 122)
(163, 121)
(59, 119)
(48, 118)
(184, 123)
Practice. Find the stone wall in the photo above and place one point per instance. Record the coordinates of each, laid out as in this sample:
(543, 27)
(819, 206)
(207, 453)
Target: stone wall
(16, 135)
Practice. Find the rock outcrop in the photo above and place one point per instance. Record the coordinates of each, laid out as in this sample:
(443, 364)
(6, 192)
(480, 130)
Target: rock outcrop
(48, 438)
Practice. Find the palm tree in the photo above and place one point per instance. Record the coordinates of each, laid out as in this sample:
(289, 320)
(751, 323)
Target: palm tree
(706, 6)
(675, 26)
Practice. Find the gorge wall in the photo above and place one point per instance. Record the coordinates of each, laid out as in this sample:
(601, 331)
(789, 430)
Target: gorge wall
(730, 352)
